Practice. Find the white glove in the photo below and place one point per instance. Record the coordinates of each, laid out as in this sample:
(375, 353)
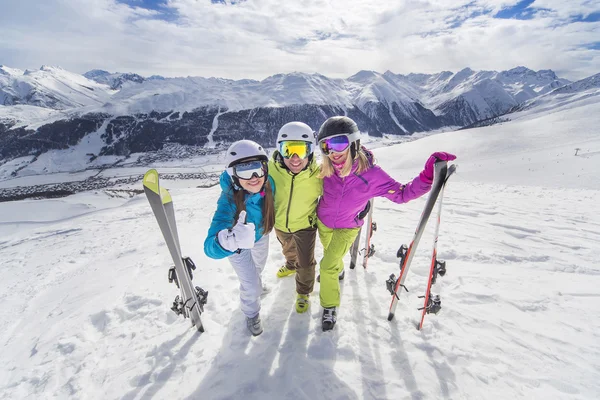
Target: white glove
(227, 240)
(244, 232)
(240, 237)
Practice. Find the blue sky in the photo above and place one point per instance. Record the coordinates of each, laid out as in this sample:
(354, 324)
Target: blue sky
(161, 7)
(257, 38)
(521, 10)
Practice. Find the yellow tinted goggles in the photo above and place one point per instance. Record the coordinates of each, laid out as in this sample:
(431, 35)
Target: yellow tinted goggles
(290, 147)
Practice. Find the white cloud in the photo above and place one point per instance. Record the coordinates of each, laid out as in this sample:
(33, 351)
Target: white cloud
(257, 38)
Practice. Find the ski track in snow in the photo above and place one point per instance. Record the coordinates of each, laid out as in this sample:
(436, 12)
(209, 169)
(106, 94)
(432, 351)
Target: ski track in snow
(86, 302)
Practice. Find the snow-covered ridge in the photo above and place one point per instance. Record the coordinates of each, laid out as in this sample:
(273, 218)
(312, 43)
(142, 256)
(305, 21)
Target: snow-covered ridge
(581, 85)
(571, 93)
(486, 91)
(50, 87)
(114, 80)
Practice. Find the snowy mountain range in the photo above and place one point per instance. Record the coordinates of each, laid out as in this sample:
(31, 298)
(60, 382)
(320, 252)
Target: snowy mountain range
(120, 114)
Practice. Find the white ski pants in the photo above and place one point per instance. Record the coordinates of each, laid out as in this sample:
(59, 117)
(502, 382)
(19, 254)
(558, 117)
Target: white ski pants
(248, 265)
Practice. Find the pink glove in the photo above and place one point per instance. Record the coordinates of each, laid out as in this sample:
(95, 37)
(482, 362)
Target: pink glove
(427, 174)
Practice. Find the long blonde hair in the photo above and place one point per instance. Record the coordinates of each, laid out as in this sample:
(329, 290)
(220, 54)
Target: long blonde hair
(327, 168)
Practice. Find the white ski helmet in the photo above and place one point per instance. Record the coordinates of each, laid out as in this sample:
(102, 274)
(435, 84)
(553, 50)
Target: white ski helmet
(296, 131)
(241, 151)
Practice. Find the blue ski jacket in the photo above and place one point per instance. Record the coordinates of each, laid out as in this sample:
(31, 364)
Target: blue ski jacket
(224, 217)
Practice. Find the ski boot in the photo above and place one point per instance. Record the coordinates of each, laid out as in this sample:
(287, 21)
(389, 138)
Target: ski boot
(254, 325)
(285, 271)
(329, 318)
(302, 303)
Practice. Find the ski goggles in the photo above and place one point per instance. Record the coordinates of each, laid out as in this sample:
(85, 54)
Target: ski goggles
(288, 148)
(249, 170)
(335, 144)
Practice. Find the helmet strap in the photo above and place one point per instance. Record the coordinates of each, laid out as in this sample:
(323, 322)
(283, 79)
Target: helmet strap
(236, 183)
(279, 159)
(354, 149)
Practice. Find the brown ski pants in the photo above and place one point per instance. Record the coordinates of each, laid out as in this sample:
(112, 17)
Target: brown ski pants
(299, 251)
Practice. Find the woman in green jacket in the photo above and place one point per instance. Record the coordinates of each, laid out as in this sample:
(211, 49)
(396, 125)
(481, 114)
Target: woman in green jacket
(296, 176)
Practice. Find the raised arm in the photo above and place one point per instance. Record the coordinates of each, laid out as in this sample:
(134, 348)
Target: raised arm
(399, 193)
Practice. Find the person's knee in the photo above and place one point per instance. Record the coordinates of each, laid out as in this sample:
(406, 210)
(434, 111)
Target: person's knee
(306, 262)
(254, 292)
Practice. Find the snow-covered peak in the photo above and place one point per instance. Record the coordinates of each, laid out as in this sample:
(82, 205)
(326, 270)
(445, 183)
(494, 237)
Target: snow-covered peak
(487, 92)
(371, 86)
(547, 73)
(291, 80)
(52, 68)
(526, 75)
(96, 74)
(520, 70)
(364, 76)
(7, 71)
(458, 78)
(114, 80)
(51, 87)
(186, 94)
(592, 82)
(298, 88)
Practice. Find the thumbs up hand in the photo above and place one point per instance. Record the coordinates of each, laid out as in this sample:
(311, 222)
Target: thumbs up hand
(244, 232)
(241, 236)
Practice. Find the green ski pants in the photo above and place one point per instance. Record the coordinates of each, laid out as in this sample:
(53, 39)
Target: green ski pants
(336, 244)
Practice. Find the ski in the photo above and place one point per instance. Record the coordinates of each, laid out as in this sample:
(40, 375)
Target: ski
(190, 303)
(354, 249)
(437, 268)
(406, 253)
(369, 249)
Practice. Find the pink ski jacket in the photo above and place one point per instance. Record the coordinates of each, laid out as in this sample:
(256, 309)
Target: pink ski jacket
(344, 198)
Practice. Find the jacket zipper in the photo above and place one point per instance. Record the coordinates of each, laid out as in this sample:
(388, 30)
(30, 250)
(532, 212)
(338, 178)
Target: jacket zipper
(337, 212)
(287, 214)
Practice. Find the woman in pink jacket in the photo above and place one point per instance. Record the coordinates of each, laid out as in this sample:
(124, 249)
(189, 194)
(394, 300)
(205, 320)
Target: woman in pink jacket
(350, 180)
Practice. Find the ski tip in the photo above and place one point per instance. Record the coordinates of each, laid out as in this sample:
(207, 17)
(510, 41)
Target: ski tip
(165, 196)
(151, 181)
(390, 316)
(452, 169)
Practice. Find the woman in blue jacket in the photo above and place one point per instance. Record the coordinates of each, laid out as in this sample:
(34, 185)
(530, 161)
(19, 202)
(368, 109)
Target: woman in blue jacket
(240, 227)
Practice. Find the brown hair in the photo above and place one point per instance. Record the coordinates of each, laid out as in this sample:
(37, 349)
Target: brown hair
(268, 207)
(327, 168)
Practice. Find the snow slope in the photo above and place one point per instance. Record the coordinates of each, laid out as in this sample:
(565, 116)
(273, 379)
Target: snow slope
(30, 116)
(85, 298)
(50, 87)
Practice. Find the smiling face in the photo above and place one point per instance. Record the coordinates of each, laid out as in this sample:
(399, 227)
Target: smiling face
(339, 158)
(252, 185)
(295, 164)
